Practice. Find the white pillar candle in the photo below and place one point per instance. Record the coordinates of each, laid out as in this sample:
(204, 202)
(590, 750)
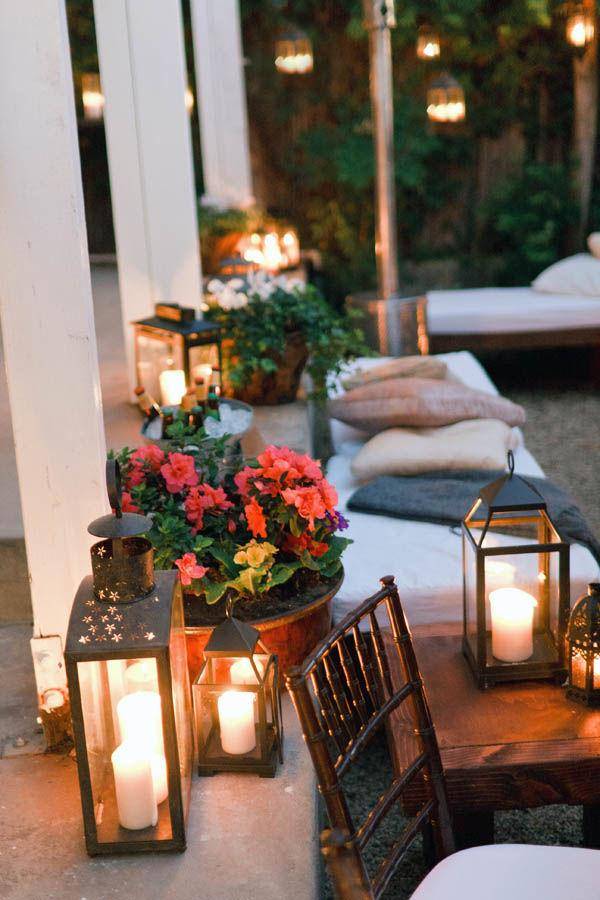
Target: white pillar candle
(512, 624)
(242, 672)
(205, 372)
(158, 765)
(499, 574)
(140, 720)
(134, 787)
(172, 386)
(236, 720)
(141, 676)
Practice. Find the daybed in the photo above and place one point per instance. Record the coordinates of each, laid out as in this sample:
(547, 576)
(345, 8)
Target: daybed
(424, 558)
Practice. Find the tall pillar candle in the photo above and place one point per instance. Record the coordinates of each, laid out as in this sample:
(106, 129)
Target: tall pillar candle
(236, 721)
(512, 624)
(134, 787)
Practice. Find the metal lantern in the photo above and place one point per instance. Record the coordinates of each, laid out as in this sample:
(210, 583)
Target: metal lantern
(583, 648)
(130, 694)
(92, 97)
(428, 43)
(516, 585)
(293, 52)
(237, 703)
(172, 348)
(446, 100)
(580, 27)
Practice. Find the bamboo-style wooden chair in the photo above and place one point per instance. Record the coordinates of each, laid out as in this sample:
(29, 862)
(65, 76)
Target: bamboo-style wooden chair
(343, 694)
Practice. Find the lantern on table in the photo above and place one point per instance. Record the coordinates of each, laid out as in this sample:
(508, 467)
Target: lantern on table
(446, 100)
(293, 52)
(515, 585)
(237, 703)
(428, 42)
(130, 694)
(583, 648)
(580, 28)
(92, 97)
(172, 349)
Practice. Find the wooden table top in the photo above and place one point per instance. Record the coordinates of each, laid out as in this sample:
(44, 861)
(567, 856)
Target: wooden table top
(513, 746)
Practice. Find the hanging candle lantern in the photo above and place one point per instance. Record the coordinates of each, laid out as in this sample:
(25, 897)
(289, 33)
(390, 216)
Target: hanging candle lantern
(428, 43)
(580, 27)
(237, 703)
(583, 648)
(130, 695)
(293, 52)
(92, 96)
(446, 100)
(516, 585)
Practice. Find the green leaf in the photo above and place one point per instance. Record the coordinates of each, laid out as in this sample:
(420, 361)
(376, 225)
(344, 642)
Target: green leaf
(214, 590)
(282, 572)
(225, 557)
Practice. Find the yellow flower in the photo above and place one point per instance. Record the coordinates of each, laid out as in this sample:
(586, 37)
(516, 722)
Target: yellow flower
(240, 558)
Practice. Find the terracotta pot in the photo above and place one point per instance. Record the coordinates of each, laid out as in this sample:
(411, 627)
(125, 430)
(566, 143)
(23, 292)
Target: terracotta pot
(291, 636)
(269, 389)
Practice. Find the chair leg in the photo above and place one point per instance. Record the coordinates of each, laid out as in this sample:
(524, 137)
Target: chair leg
(473, 829)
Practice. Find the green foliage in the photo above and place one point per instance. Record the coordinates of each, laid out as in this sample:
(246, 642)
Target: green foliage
(527, 221)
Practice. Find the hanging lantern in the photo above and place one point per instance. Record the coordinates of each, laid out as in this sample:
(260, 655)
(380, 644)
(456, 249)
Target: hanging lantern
(237, 703)
(293, 52)
(428, 43)
(580, 27)
(172, 349)
(583, 648)
(446, 100)
(516, 585)
(92, 96)
(129, 688)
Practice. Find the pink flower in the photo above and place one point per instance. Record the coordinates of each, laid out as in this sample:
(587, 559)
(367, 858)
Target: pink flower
(242, 478)
(189, 570)
(308, 501)
(127, 504)
(179, 472)
(151, 455)
(329, 495)
(205, 498)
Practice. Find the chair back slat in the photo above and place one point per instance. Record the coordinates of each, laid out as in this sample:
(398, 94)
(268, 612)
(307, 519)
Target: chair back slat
(344, 693)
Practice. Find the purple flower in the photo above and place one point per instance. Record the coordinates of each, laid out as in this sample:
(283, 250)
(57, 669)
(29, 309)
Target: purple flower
(336, 522)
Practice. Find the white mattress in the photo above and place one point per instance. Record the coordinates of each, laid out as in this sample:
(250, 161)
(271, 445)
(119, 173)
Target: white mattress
(424, 558)
(505, 310)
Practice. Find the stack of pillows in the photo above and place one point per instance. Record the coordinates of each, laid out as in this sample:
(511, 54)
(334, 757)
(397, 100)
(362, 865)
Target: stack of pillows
(419, 418)
(579, 274)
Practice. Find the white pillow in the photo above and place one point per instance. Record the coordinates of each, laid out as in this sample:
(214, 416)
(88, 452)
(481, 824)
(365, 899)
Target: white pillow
(579, 274)
(593, 243)
(474, 444)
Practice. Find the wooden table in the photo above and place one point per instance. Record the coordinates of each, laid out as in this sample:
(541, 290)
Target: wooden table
(514, 746)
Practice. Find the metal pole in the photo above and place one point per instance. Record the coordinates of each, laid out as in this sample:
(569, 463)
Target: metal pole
(379, 15)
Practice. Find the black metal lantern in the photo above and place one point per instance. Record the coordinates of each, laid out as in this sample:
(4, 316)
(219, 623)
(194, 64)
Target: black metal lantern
(293, 52)
(172, 349)
(583, 648)
(515, 585)
(237, 703)
(130, 694)
(446, 100)
(580, 25)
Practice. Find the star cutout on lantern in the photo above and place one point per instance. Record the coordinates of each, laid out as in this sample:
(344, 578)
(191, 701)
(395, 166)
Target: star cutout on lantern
(118, 617)
(84, 639)
(104, 618)
(112, 610)
(92, 629)
(89, 603)
(87, 619)
(116, 638)
(149, 635)
(109, 628)
(100, 551)
(102, 594)
(113, 595)
(156, 599)
(101, 637)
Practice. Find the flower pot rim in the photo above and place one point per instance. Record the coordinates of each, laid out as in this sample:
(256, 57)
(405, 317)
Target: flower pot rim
(280, 618)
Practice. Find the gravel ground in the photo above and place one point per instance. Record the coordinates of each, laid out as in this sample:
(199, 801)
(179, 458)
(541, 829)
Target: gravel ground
(563, 432)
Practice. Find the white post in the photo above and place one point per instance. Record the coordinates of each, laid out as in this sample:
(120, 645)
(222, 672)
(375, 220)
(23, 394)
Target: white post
(46, 308)
(220, 81)
(142, 67)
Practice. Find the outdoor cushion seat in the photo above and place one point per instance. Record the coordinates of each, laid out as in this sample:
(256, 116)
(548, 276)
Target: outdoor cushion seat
(514, 872)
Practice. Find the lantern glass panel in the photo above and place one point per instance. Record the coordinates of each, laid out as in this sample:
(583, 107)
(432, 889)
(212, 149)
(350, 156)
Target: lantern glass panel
(470, 587)
(154, 355)
(122, 717)
(182, 701)
(202, 356)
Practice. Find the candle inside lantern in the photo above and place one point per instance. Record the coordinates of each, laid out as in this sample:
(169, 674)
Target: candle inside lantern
(512, 624)
(580, 671)
(205, 372)
(134, 787)
(140, 724)
(242, 672)
(172, 386)
(141, 676)
(499, 574)
(236, 721)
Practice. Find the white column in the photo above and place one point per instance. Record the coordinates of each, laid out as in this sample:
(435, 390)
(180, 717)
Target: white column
(142, 67)
(221, 87)
(46, 308)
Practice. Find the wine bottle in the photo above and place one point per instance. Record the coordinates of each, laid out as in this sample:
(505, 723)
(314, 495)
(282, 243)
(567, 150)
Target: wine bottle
(212, 402)
(201, 391)
(147, 404)
(197, 417)
(188, 401)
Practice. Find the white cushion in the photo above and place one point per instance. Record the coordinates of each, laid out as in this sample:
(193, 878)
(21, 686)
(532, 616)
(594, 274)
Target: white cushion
(579, 274)
(514, 872)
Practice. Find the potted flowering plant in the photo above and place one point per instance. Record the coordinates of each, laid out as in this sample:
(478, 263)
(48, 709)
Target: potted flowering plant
(273, 327)
(266, 538)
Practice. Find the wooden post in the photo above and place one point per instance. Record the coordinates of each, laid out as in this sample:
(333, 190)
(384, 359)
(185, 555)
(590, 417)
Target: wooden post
(585, 123)
(222, 112)
(46, 312)
(142, 66)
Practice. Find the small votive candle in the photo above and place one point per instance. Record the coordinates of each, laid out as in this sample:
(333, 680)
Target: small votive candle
(134, 787)
(172, 386)
(236, 721)
(512, 624)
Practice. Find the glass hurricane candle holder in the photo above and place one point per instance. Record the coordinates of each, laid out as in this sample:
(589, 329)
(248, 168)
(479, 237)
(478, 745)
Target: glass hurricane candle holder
(294, 53)
(237, 703)
(515, 585)
(130, 695)
(583, 648)
(428, 43)
(446, 100)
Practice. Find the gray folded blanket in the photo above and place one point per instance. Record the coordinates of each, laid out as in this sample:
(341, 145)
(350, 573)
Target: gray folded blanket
(445, 497)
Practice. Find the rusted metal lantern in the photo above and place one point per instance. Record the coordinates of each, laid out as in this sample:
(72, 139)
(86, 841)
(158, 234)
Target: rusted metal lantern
(515, 585)
(583, 648)
(173, 340)
(130, 694)
(237, 703)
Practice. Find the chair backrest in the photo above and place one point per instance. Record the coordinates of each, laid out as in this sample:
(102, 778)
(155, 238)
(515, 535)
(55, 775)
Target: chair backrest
(343, 694)
(345, 866)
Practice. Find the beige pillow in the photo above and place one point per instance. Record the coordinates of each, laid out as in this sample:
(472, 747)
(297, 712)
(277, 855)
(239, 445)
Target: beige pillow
(403, 367)
(419, 402)
(579, 274)
(479, 444)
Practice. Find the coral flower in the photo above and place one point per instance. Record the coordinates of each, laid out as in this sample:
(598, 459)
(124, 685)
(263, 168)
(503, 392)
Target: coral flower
(242, 478)
(127, 504)
(329, 495)
(308, 501)
(255, 518)
(152, 455)
(203, 498)
(179, 472)
(189, 570)
(296, 545)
